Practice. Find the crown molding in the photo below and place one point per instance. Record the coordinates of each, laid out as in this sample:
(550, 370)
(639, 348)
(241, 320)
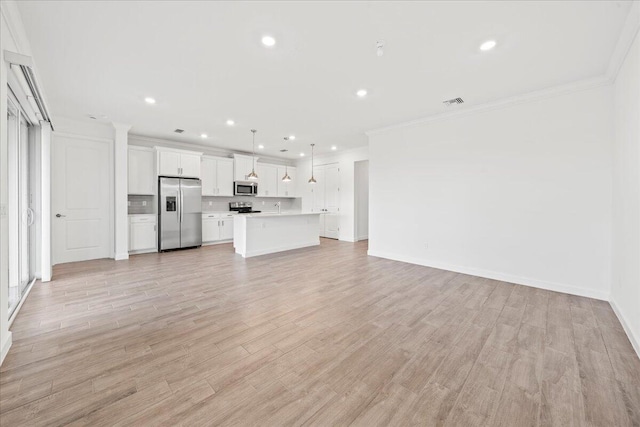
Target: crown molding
(207, 150)
(501, 103)
(122, 127)
(625, 41)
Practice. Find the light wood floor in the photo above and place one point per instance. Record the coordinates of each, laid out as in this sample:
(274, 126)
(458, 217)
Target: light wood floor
(323, 336)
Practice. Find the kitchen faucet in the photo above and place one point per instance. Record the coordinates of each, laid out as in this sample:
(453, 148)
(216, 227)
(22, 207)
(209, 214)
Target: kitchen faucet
(278, 205)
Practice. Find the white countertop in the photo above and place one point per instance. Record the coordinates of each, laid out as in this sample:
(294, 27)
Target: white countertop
(276, 214)
(219, 212)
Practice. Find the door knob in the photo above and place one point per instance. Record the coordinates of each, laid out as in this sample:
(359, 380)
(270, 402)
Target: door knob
(60, 215)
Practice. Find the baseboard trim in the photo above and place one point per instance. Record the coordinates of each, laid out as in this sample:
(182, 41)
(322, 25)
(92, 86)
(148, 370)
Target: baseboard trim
(495, 275)
(6, 346)
(635, 341)
(217, 242)
(121, 257)
(250, 254)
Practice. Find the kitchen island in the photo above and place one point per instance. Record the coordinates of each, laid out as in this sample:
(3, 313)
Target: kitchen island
(265, 233)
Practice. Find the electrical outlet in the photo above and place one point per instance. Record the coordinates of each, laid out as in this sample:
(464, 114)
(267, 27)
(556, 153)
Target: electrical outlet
(129, 203)
(144, 203)
(210, 203)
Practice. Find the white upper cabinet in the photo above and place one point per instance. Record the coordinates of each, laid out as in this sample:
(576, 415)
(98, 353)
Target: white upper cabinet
(168, 163)
(217, 176)
(225, 177)
(178, 163)
(287, 189)
(242, 167)
(190, 165)
(209, 171)
(141, 171)
(267, 180)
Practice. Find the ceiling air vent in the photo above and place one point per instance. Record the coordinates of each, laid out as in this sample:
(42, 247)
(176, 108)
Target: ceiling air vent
(453, 101)
(179, 130)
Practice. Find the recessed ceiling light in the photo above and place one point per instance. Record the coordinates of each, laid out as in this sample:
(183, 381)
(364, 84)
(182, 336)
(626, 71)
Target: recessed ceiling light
(230, 122)
(149, 100)
(292, 137)
(203, 135)
(261, 146)
(334, 148)
(361, 93)
(488, 45)
(301, 154)
(268, 41)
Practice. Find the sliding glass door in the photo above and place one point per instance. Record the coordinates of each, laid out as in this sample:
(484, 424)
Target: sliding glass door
(21, 214)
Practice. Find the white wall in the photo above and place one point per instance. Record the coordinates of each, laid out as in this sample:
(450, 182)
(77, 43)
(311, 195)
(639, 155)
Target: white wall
(346, 161)
(625, 289)
(362, 199)
(521, 193)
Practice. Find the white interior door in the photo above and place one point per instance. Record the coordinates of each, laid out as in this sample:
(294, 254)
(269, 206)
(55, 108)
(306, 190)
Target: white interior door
(332, 201)
(318, 190)
(81, 199)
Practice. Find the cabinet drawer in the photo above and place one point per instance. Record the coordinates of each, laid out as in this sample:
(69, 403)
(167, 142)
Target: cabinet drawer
(135, 219)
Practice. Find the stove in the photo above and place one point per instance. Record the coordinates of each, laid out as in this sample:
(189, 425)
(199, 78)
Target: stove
(242, 207)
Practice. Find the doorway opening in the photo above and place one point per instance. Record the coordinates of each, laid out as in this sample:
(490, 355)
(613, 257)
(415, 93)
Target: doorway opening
(361, 200)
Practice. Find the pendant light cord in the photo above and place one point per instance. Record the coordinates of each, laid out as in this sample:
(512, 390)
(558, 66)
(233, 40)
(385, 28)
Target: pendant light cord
(253, 149)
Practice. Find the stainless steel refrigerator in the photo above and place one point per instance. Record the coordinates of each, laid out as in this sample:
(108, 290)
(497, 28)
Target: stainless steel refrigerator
(180, 211)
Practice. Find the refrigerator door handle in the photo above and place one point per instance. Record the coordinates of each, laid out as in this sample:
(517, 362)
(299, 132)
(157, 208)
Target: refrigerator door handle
(181, 205)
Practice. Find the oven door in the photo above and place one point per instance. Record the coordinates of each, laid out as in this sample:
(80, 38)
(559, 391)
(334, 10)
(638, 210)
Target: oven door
(246, 188)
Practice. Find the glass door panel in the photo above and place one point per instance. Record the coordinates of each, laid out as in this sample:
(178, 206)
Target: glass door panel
(25, 272)
(21, 214)
(12, 141)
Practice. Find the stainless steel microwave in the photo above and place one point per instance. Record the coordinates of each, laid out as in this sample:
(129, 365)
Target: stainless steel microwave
(245, 188)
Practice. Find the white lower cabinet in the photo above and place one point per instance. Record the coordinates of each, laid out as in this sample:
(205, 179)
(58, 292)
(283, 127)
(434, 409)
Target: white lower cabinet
(142, 233)
(226, 229)
(217, 227)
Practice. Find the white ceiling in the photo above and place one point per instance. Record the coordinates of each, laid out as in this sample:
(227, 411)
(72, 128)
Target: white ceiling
(203, 62)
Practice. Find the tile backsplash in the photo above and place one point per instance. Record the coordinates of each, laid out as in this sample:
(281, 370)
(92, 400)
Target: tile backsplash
(221, 204)
(142, 204)
(147, 204)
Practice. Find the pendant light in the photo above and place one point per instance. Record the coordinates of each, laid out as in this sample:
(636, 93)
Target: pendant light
(312, 180)
(286, 177)
(253, 176)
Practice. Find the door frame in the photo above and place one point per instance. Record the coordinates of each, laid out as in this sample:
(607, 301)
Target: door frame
(110, 179)
(14, 216)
